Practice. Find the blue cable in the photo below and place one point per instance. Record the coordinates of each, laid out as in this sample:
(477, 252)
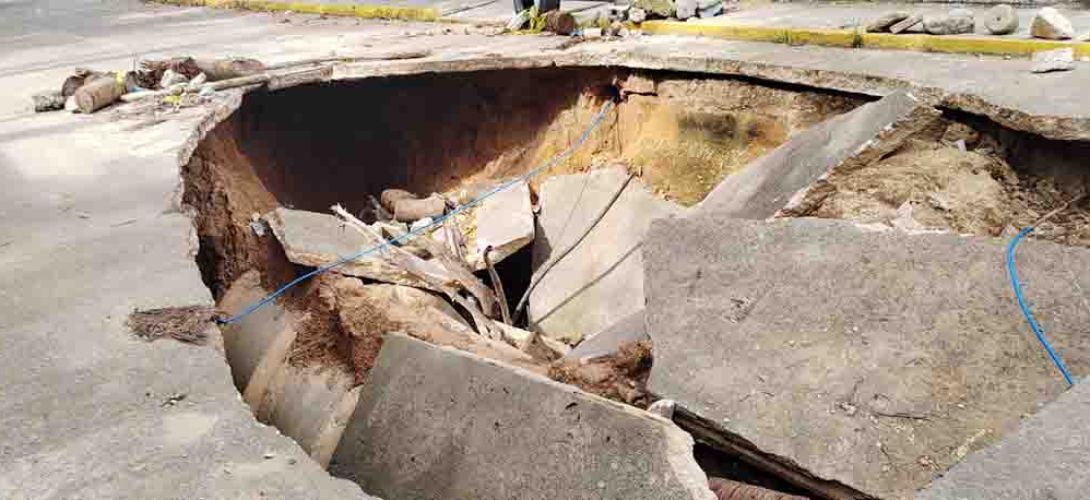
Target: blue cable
(1025, 309)
(420, 230)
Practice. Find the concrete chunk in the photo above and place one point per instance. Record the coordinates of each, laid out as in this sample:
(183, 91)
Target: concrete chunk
(600, 282)
(436, 423)
(608, 341)
(865, 357)
(1046, 458)
(506, 222)
(764, 186)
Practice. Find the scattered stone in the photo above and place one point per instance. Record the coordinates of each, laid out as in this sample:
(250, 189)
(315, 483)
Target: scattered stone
(884, 22)
(685, 9)
(958, 21)
(599, 282)
(1001, 20)
(852, 312)
(770, 183)
(656, 8)
(905, 24)
(637, 15)
(610, 340)
(467, 412)
(505, 222)
(1053, 60)
(1051, 25)
(616, 28)
(561, 23)
(48, 101)
(663, 408)
(710, 8)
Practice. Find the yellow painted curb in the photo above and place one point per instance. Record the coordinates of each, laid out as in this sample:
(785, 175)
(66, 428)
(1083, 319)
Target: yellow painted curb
(849, 38)
(346, 10)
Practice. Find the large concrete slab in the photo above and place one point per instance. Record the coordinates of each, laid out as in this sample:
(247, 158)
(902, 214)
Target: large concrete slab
(1047, 459)
(600, 282)
(436, 423)
(769, 183)
(609, 341)
(874, 359)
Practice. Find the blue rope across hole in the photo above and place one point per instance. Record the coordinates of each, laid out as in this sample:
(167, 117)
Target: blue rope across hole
(1025, 309)
(421, 230)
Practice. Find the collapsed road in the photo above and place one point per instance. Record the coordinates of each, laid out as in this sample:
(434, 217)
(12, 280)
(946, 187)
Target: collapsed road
(665, 277)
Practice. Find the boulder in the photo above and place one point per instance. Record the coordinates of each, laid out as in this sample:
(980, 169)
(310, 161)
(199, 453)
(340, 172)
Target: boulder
(859, 356)
(905, 24)
(656, 8)
(768, 184)
(637, 15)
(1051, 25)
(598, 283)
(1001, 20)
(684, 9)
(884, 22)
(437, 423)
(1053, 60)
(957, 22)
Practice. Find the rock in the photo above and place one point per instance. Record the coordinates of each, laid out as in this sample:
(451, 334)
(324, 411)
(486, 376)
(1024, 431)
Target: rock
(1058, 466)
(1001, 20)
(504, 221)
(609, 341)
(390, 196)
(804, 336)
(684, 9)
(663, 408)
(1051, 25)
(561, 23)
(710, 8)
(412, 209)
(170, 78)
(48, 101)
(637, 15)
(884, 22)
(770, 183)
(958, 21)
(598, 283)
(434, 422)
(314, 239)
(905, 24)
(654, 8)
(1053, 60)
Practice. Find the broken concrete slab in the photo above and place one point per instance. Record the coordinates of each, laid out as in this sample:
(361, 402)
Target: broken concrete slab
(885, 350)
(437, 423)
(1046, 458)
(505, 221)
(600, 282)
(608, 341)
(767, 184)
(255, 341)
(314, 239)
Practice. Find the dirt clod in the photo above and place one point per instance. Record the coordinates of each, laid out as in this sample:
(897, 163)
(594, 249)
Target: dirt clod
(187, 324)
(620, 377)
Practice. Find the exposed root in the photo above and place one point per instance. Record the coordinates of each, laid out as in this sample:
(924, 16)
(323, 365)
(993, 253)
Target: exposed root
(187, 324)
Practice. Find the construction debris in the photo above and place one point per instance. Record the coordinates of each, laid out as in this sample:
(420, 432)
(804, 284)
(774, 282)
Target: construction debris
(504, 222)
(48, 101)
(561, 23)
(609, 341)
(489, 429)
(825, 338)
(1054, 60)
(906, 23)
(885, 21)
(956, 22)
(99, 93)
(1051, 25)
(1001, 20)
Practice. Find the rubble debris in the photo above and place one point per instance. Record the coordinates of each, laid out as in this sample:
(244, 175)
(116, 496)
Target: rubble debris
(467, 413)
(99, 93)
(314, 239)
(505, 222)
(663, 408)
(561, 23)
(621, 376)
(956, 22)
(610, 340)
(637, 15)
(658, 8)
(390, 196)
(885, 21)
(228, 68)
(768, 184)
(80, 77)
(811, 340)
(519, 20)
(1051, 25)
(684, 9)
(1040, 457)
(725, 489)
(189, 324)
(598, 282)
(259, 343)
(150, 74)
(1001, 20)
(1053, 60)
(170, 79)
(48, 101)
(709, 8)
(905, 24)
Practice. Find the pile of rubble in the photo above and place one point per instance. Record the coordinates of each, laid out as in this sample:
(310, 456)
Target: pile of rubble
(1047, 24)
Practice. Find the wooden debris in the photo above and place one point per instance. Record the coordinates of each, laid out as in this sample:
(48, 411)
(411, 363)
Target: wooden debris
(99, 93)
